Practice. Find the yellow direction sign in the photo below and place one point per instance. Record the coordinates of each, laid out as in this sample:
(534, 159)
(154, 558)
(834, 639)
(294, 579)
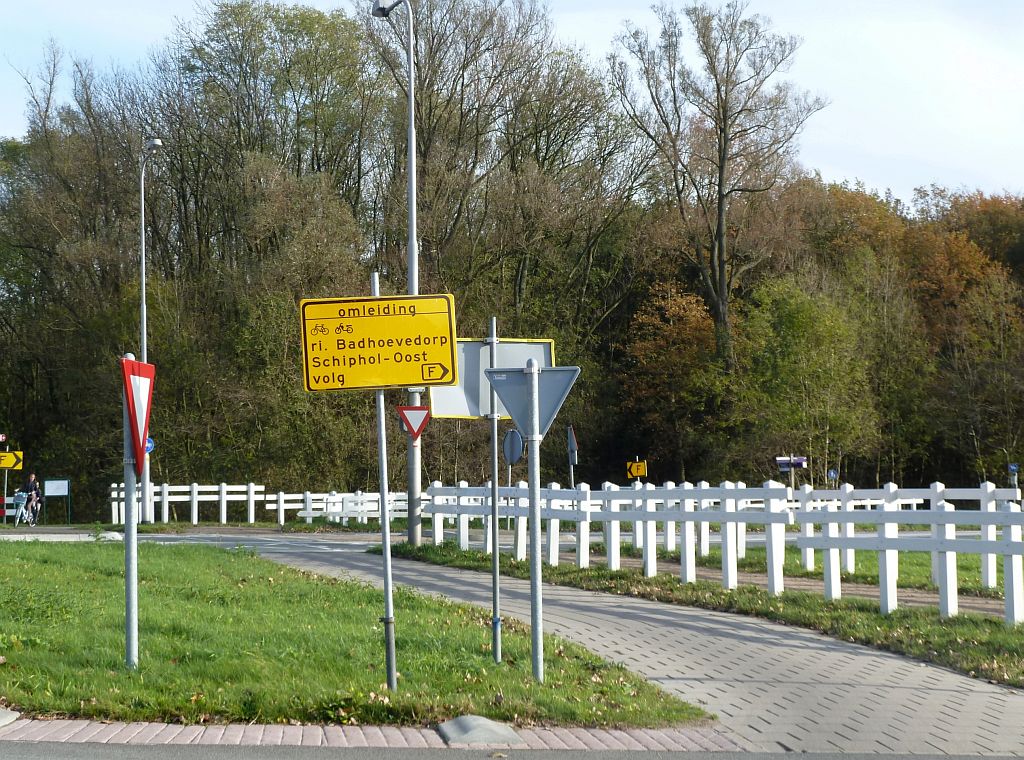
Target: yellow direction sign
(389, 342)
(636, 469)
(11, 460)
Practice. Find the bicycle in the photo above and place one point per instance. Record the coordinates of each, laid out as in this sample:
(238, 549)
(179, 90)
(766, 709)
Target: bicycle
(23, 510)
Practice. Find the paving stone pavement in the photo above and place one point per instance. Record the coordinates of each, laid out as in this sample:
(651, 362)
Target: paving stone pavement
(774, 687)
(80, 731)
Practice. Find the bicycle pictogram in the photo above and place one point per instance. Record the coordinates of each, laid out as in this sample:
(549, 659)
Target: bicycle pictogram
(319, 329)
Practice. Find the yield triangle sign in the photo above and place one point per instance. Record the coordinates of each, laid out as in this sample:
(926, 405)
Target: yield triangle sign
(415, 419)
(138, 393)
(513, 388)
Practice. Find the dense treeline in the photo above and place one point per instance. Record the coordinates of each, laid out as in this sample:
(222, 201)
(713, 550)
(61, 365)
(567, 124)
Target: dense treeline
(647, 213)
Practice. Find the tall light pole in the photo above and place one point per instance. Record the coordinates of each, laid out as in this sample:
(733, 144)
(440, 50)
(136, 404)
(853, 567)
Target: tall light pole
(382, 9)
(153, 144)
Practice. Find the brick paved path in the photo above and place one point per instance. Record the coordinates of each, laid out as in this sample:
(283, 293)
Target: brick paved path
(84, 731)
(773, 687)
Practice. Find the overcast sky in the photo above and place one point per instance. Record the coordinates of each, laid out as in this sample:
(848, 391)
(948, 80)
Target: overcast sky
(920, 91)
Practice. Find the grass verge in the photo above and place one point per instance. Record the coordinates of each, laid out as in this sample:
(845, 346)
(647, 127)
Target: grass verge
(227, 636)
(914, 567)
(977, 645)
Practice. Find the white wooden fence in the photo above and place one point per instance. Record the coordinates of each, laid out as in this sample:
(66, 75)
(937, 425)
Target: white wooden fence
(828, 520)
(733, 506)
(333, 505)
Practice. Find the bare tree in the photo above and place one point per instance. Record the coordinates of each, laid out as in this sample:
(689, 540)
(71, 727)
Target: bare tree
(723, 131)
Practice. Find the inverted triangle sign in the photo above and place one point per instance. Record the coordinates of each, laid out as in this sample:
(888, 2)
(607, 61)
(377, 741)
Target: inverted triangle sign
(513, 388)
(414, 418)
(138, 393)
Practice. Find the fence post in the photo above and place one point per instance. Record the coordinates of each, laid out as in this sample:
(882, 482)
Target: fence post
(487, 523)
(222, 502)
(165, 516)
(463, 519)
(361, 518)
(638, 505)
(553, 527)
(1013, 574)
(437, 519)
(519, 545)
(705, 526)
(280, 507)
(933, 504)
(332, 501)
(775, 541)
(670, 525)
(307, 506)
(583, 527)
(611, 529)
(888, 559)
(687, 558)
(114, 503)
(193, 502)
(988, 533)
(807, 529)
(948, 601)
(650, 536)
(741, 528)
(846, 501)
(830, 557)
(728, 531)
(250, 502)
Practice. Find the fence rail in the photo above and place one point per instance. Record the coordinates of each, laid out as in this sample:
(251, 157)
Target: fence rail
(333, 505)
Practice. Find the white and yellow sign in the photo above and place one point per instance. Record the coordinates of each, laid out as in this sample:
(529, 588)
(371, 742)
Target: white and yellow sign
(388, 342)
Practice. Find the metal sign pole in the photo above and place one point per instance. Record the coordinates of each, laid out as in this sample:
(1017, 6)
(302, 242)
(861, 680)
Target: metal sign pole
(385, 529)
(6, 448)
(131, 548)
(572, 449)
(495, 551)
(536, 605)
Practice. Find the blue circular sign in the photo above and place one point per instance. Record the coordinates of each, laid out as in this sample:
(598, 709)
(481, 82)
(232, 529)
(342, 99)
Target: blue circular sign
(833, 475)
(150, 445)
(1014, 467)
(512, 446)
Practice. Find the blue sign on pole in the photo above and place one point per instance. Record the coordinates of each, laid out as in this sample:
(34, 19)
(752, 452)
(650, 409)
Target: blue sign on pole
(150, 445)
(833, 475)
(1013, 467)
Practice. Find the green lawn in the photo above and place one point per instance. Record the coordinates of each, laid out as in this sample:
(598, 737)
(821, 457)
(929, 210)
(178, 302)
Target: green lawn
(227, 636)
(977, 645)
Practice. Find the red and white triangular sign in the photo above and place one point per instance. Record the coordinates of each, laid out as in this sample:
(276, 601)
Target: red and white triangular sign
(138, 392)
(415, 419)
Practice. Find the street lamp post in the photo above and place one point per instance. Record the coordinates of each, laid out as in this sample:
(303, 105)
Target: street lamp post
(382, 9)
(153, 144)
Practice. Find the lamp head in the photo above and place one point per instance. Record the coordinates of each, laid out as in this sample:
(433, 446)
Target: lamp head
(383, 8)
(153, 144)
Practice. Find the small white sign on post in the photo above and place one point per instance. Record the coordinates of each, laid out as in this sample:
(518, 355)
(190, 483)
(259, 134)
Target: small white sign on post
(56, 488)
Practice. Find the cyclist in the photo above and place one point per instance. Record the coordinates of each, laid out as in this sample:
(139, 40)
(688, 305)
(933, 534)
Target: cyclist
(34, 500)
